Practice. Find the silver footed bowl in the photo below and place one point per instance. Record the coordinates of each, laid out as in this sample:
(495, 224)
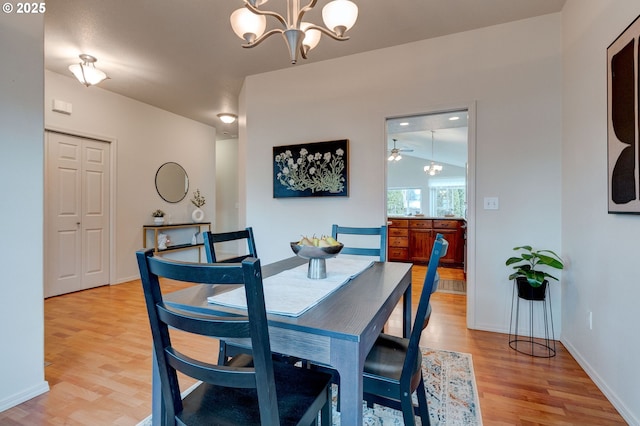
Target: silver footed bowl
(313, 252)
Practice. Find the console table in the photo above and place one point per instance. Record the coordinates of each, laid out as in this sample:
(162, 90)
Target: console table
(187, 245)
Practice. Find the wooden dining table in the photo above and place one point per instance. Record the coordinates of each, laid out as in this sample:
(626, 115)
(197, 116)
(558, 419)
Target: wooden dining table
(339, 331)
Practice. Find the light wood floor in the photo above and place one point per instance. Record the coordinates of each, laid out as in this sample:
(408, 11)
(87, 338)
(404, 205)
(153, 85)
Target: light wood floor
(98, 346)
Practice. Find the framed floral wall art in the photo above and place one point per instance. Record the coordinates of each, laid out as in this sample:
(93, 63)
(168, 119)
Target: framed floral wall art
(318, 169)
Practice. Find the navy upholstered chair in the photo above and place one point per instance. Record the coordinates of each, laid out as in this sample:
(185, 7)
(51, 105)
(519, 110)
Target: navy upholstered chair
(210, 239)
(263, 392)
(378, 248)
(393, 368)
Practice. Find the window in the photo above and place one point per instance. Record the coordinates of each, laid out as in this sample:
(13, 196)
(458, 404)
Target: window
(447, 197)
(404, 201)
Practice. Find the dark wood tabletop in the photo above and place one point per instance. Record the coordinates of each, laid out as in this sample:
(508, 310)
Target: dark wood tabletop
(339, 331)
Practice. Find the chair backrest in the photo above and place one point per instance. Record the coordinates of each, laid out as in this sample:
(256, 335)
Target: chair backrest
(381, 247)
(440, 246)
(253, 327)
(210, 239)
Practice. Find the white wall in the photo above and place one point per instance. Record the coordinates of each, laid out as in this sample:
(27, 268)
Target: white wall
(21, 175)
(227, 185)
(144, 137)
(602, 249)
(512, 71)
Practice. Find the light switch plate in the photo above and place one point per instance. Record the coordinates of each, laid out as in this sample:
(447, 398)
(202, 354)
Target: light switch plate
(491, 203)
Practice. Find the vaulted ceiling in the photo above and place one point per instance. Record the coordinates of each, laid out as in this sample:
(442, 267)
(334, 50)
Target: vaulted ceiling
(182, 55)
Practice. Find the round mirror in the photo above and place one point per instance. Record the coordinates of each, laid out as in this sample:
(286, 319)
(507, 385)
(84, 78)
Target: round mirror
(172, 182)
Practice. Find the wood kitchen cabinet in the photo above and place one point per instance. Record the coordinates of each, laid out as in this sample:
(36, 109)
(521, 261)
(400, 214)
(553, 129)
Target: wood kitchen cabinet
(420, 240)
(451, 231)
(411, 240)
(398, 240)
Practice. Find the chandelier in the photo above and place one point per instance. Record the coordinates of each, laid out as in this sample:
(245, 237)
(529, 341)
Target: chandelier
(433, 168)
(86, 71)
(250, 22)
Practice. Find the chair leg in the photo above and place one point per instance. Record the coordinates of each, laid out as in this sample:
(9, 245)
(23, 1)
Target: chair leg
(325, 413)
(406, 403)
(423, 407)
(222, 353)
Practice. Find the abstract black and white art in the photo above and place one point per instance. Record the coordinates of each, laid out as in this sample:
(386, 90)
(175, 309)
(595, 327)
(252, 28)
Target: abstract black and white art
(623, 117)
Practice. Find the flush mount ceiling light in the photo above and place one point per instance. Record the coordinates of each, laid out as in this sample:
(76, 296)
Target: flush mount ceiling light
(250, 22)
(86, 71)
(227, 118)
(433, 168)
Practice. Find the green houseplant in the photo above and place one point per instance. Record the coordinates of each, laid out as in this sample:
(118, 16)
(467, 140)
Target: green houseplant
(530, 278)
(158, 217)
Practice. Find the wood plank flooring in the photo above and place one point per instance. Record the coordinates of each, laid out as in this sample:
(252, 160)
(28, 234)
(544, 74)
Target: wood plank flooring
(98, 346)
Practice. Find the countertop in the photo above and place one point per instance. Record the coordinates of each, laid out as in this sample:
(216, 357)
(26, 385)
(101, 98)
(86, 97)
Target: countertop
(426, 217)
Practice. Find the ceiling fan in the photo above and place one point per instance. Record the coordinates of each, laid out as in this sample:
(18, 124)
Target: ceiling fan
(395, 152)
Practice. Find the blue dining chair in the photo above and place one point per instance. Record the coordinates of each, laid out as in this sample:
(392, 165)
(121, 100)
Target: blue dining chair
(393, 367)
(262, 392)
(210, 239)
(378, 248)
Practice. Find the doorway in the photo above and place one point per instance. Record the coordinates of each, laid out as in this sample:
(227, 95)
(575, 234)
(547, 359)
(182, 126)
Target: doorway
(77, 213)
(427, 188)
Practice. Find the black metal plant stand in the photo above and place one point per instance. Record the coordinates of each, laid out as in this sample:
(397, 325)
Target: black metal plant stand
(529, 345)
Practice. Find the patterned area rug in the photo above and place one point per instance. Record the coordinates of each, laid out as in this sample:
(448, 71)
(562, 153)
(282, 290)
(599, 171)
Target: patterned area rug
(451, 393)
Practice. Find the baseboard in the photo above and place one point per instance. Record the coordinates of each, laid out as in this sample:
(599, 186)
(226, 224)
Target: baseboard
(23, 396)
(126, 280)
(624, 411)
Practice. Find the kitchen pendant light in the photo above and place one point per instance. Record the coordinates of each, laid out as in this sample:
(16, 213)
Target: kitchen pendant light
(433, 168)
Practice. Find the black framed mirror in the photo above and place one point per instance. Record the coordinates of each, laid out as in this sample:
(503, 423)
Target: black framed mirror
(172, 182)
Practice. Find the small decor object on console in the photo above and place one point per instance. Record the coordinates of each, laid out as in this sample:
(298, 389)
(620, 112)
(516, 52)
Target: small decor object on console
(198, 201)
(163, 241)
(158, 217)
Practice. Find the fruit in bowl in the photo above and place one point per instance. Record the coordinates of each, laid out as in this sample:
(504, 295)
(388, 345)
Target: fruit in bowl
(316, 248)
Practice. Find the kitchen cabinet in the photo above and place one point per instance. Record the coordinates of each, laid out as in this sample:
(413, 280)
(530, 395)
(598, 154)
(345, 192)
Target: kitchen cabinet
(398, 240)
(451, 231)
(411, 240)
(420, 240)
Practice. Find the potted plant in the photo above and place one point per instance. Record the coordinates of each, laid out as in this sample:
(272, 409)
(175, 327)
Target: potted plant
(530, 279)
(158, 217)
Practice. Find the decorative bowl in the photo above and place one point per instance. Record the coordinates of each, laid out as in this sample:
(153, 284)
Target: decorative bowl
(313, 252)
(317, 266)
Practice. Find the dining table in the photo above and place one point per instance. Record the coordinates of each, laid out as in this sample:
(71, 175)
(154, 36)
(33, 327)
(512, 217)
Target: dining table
(338, 331)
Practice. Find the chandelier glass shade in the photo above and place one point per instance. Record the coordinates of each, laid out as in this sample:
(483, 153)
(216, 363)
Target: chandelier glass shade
(250, 23)
(395, 155)
(432, 169)
(86, 71)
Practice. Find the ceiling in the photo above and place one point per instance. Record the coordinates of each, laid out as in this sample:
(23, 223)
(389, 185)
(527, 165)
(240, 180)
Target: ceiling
(182, 55)
(447, 132)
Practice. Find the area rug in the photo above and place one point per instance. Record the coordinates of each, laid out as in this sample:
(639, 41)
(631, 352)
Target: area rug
(451, 394)
(452, 286)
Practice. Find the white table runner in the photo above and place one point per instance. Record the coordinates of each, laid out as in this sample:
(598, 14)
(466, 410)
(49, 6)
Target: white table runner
(291, 293)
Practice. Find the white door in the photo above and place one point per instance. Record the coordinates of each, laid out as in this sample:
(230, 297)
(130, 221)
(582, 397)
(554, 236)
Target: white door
(77, 214)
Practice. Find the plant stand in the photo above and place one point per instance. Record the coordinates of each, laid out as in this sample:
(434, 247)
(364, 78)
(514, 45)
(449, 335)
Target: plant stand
(530, 345)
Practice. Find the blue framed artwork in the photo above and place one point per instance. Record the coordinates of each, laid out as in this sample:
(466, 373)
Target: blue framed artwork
(318, 169)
